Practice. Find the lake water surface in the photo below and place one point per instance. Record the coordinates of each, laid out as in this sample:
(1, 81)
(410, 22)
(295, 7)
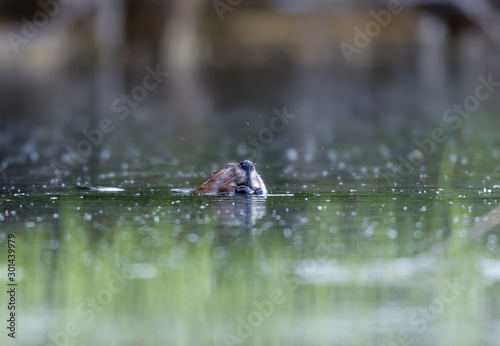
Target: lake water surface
(335, 260)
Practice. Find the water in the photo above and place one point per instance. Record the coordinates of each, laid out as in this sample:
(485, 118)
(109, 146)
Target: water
(329, 261)
(368, 243)
(381, 227)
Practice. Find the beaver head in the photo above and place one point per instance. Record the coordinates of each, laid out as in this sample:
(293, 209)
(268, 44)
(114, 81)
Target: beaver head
(234, 178)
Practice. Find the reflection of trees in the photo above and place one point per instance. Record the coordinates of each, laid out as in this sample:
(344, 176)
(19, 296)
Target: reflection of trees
(263, 55)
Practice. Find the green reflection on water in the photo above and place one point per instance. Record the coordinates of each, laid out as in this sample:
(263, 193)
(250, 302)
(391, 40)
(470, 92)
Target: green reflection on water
(387, 267)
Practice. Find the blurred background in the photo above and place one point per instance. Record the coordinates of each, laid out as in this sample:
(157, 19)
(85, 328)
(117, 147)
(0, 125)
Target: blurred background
(362, 80)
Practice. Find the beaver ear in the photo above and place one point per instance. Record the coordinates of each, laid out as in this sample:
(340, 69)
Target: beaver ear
(210, 176)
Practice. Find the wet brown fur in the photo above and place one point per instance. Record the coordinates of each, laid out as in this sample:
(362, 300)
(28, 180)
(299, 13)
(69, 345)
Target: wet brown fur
(225, 181)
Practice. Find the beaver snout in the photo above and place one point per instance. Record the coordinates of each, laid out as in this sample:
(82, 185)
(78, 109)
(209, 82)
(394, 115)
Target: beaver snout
(247, 165)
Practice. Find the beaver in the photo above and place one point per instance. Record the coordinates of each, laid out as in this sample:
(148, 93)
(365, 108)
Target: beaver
(234, 178)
